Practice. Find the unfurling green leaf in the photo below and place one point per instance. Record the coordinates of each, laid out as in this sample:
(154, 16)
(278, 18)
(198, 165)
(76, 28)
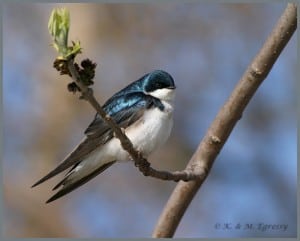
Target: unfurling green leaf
(59, 25)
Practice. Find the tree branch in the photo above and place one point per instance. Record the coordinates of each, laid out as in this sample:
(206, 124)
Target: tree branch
(225, 121)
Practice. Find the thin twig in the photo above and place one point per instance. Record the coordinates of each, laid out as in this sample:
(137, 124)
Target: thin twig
(139, 160)
(224, 122)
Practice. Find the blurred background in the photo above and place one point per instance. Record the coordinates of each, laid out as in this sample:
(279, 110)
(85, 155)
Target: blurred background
(206, 48)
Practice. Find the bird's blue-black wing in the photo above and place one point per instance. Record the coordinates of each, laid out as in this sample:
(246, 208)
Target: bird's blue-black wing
(124, 109)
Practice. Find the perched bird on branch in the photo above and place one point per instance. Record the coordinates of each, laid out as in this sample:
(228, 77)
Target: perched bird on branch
(143, 109)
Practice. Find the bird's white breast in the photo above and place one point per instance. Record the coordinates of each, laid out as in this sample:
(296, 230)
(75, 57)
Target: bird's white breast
(151, 131)
(147, 134)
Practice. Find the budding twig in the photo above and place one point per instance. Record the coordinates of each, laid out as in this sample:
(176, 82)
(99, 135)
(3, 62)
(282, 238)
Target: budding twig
(83, 77)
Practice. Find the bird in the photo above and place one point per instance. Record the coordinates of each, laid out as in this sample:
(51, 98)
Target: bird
(143, 110)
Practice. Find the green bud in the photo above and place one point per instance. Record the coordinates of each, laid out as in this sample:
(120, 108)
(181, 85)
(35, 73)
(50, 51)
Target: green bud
(59, 25)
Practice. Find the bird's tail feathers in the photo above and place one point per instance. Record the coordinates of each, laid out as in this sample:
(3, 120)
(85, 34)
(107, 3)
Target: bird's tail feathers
(69, 183)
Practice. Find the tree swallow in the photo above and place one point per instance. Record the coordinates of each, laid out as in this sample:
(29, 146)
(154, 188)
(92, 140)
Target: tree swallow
(144, 109)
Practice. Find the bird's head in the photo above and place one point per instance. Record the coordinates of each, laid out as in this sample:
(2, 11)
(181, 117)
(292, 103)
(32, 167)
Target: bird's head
(159, 84)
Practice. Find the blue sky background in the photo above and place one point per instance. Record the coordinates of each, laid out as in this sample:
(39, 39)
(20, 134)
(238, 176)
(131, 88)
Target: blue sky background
(206, 48)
